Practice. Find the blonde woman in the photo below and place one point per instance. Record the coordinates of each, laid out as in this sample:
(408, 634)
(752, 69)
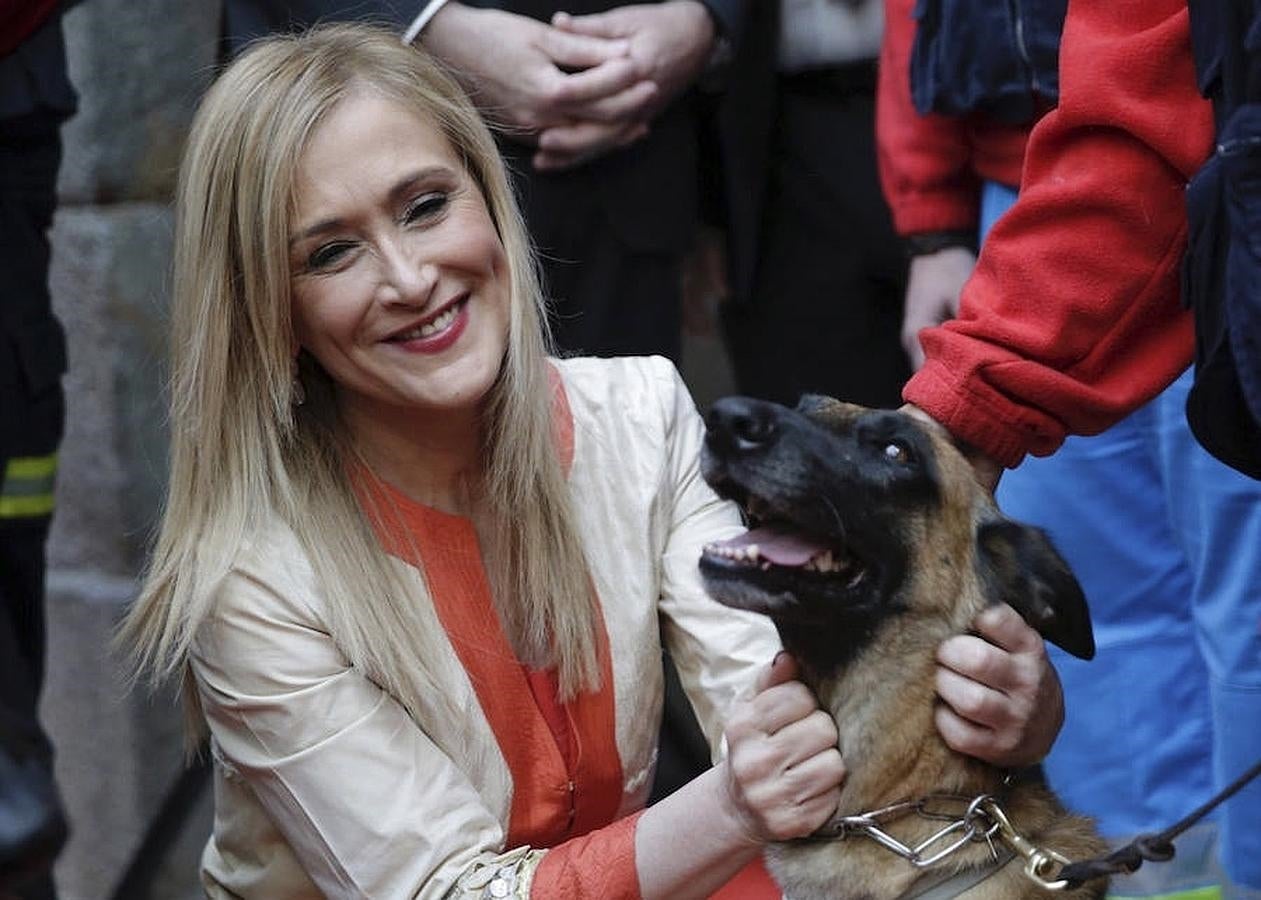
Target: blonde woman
(412, 571)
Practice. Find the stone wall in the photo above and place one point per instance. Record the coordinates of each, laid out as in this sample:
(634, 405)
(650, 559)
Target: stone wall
(139, 66)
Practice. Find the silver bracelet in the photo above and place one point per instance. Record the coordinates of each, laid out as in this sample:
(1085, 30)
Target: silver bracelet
(505, 877)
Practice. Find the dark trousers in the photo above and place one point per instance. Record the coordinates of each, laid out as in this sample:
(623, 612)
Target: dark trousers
(826, 309)
(32, 357)
(616, 301)
(612, 278)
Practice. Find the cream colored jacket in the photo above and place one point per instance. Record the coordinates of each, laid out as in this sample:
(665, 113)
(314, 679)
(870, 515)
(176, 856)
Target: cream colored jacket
(325, 786)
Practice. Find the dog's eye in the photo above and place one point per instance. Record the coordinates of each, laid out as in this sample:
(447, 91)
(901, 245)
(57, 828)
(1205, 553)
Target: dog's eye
(896, 451)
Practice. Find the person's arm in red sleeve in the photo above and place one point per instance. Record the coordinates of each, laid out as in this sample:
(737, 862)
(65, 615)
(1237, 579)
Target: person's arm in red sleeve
(1072, 318)
(925, 161)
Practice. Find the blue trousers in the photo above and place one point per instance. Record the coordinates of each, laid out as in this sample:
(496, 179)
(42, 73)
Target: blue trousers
(1166, 542)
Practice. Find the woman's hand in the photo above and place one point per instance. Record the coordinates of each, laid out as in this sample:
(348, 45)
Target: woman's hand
(784, 770)
(1003, 701)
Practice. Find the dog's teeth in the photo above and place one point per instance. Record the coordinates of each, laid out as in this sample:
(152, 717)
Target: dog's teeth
(858, 577)
(752, 552)
(765, 565)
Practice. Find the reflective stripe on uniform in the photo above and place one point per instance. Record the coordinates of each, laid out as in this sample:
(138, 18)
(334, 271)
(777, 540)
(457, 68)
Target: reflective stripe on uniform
(27, 489)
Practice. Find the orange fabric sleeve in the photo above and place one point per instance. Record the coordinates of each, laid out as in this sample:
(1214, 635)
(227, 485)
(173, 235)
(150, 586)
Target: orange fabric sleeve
(1072, 318)
(599, 865)
(602, 865)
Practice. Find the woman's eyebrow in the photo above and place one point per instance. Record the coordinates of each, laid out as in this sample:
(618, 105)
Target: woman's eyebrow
(318, 228)
(401, 188)
(408, 182)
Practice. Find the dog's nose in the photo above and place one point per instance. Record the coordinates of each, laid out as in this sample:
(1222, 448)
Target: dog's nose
(740, 424)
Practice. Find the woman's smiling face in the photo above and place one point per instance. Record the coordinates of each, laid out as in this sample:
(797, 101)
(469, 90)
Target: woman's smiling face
(400, 282)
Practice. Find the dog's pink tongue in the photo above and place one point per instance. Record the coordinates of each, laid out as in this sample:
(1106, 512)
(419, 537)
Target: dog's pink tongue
(784, 548)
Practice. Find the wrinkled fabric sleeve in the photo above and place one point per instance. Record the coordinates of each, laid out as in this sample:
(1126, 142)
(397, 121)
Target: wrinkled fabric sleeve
(717, 650)
(369, 804)
(1072, 318)
(596, 866)
(925, 161)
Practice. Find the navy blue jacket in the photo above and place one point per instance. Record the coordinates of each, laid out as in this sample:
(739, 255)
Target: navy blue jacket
(997, 57)
(1222, 271)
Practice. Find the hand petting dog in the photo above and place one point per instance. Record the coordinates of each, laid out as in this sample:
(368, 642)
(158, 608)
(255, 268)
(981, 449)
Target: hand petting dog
(1002, 700)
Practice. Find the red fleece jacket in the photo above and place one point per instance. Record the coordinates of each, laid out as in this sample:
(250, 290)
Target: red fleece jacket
(931, 167)
(1073, 317)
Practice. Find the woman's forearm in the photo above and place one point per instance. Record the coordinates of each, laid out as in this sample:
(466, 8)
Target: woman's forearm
(693, 842)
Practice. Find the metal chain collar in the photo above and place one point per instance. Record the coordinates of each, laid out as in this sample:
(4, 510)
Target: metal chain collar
(982, 819)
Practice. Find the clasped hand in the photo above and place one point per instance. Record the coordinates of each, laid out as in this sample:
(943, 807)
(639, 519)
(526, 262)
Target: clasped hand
(582, 85)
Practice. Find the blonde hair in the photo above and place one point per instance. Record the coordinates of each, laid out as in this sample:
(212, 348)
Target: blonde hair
(240, 453)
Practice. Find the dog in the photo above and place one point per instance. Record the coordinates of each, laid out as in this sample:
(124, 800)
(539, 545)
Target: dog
(871, 542)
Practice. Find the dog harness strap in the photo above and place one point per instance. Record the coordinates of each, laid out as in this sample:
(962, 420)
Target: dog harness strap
(950, 886)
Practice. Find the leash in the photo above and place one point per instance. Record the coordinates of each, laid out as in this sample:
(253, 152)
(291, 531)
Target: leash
(1156, 847)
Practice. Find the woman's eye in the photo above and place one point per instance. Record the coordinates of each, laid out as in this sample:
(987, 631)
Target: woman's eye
(327, 255)
(424, 207)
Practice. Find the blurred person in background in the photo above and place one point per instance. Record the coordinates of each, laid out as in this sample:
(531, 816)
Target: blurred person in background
(814, 272)
(1071, 324)
(35, 98)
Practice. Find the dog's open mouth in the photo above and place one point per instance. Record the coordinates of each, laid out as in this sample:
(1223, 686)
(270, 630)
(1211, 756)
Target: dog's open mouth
(773, 566)
(779, 546)
(798, 560)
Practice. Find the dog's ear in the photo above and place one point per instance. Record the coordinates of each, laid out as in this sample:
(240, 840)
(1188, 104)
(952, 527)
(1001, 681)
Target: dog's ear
(1023, 569)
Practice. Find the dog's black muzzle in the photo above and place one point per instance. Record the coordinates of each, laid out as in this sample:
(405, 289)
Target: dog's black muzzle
(741, 425)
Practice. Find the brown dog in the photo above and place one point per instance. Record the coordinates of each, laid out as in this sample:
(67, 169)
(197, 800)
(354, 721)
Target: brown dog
(871, 543)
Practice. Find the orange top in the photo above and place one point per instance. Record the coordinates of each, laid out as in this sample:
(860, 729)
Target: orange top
(566, 774)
